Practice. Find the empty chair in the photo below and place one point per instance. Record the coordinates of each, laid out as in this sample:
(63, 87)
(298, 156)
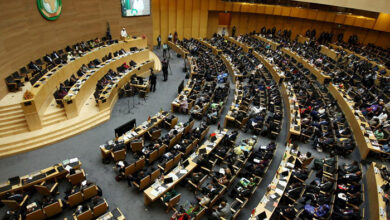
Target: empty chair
(77, 177)
(53, 209)
(47, 188)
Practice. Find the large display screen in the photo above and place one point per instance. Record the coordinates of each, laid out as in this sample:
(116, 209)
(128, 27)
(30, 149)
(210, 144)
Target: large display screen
(132, 8)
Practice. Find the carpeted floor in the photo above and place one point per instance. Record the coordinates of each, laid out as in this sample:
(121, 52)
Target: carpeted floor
(86, 147)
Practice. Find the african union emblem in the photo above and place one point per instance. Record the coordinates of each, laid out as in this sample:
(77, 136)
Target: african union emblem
(50, 9)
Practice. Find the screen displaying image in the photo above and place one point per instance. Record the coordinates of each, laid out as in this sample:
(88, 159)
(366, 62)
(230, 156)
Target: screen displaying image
(135, 7)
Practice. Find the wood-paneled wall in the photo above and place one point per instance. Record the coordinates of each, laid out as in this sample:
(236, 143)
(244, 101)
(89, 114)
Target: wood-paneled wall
(197, 18)
(26, 35)
(247, 22)
(189, 18)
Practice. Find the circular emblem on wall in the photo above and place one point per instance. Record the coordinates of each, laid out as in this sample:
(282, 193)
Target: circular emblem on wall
(50, 9)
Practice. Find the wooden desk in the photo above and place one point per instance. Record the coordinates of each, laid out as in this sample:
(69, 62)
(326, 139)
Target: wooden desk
(329, 52)
(43, 91)
(273, 44)
(215, 50)
(186, 92)
(375, 194)
(132, 135)
(346, 103)
(245, 47)
(114, 214)
(233, 107)
(318, 73)
(109, 94)
(380, 66)
(292, 107)
(275, 72)
(155, 191)
(178, 49)
(301, 39)
(85, 85)
(264, 205)
(50, 173)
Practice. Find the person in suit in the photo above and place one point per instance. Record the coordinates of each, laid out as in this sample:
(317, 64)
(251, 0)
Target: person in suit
(165, 64)
(158, 41)
(153, 80)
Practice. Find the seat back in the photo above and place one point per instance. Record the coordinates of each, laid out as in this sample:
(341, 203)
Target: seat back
(189, 127)
(100, 209)
(140, 164)
(119, 155)
(173, 201)
(76, 178)
(54, 208)
(155, 175)
(36, 215)
(153, 156)
(144, 183)
(42, 189)
(174, 122)
(87, 215)
(90, 192)
(168, 166)
(137, 146)
(176, 159)
(130, 169)
(200, 213)
(162, 150)
(75, 199)
(156, 134)
(189, 148)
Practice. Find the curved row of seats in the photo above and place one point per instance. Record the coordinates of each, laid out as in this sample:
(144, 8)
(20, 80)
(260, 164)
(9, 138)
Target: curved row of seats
(35, 70)
(83, 194)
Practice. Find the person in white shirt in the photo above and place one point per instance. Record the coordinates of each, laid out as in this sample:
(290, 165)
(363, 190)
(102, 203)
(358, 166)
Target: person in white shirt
(124, 33)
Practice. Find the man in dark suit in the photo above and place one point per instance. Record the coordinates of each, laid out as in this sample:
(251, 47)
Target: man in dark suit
(165, 64)
(153, 80)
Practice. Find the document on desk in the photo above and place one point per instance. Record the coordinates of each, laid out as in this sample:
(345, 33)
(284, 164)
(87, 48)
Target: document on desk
(279, 191)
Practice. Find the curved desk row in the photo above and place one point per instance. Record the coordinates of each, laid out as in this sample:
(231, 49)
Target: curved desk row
(349, 52)
(238, 96)
(273, 44)
(178, 49)
(158, 189)
(274, 70)
(378, 207)
(54, 172)
(365, 138)
(271, 198)
(292, 109)
(43, 93)
(318, 73)
(110, 93)
(302, 39)
(329, 52)
(79, 93)
(215, 50)
(245, 47)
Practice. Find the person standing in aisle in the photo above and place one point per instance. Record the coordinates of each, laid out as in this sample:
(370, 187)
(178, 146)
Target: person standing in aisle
(152, 80)
(158, 41)
(165, 64)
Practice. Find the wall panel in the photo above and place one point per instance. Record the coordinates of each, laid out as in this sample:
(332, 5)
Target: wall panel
(156, 20)
(180, 18)
(187, 18)
(164, 19)
(172, 16)
(203, 19)
(195, 18)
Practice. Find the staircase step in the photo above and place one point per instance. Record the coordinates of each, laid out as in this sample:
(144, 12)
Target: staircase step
(54, 120)
(59, 112)
(12, 119)
(10, 108)
(14, 131)
(55, 136)
(17, 112)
